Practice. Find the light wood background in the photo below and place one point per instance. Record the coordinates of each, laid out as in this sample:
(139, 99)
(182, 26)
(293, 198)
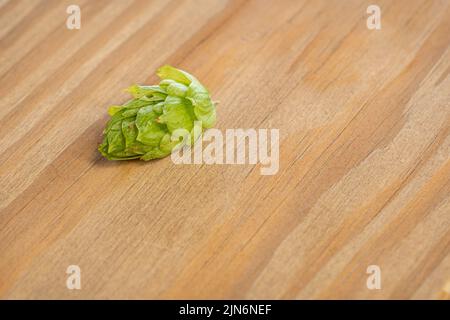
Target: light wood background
(364, 179)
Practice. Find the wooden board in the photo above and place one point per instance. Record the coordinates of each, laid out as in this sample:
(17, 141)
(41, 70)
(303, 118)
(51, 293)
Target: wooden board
(364, 177)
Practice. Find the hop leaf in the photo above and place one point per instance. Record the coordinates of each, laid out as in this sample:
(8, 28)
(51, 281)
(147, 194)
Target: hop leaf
(143, 127)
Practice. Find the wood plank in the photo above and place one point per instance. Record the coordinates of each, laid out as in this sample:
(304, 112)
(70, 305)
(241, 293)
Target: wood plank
(364, 173)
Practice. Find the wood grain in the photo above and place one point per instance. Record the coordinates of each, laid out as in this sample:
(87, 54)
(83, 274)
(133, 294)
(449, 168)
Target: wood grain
(364, 179)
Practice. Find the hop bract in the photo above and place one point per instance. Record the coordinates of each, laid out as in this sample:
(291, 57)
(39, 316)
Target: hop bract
(143, 128)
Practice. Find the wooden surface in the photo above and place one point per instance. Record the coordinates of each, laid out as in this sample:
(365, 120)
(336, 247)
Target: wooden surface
(364, 179)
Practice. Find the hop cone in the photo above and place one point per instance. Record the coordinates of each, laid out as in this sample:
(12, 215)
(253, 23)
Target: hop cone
(143, 127)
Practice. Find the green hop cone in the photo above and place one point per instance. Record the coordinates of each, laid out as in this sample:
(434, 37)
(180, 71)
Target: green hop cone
(148, 126)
